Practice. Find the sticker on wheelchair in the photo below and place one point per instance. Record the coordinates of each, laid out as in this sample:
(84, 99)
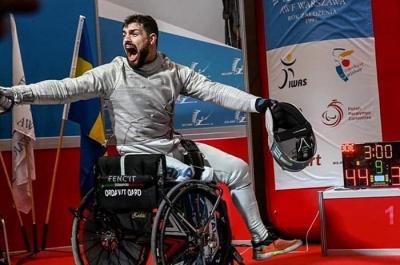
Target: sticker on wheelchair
(180, 172)
(126, 192)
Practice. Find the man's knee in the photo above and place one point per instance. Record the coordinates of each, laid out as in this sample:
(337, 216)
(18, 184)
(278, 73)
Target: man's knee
(240, 176)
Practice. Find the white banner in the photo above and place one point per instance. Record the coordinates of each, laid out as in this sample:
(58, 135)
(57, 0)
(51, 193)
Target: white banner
(325, 66)
(341, 104)
(23, 162)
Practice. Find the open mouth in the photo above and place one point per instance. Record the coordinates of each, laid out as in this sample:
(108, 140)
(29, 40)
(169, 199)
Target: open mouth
(131, 52)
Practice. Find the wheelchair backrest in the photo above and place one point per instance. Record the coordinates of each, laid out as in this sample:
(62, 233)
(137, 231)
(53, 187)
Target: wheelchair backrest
(132, 164)
(129, 182)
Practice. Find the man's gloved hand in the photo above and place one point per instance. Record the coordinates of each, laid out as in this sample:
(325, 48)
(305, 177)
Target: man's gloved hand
(6, 100)
(262, 104)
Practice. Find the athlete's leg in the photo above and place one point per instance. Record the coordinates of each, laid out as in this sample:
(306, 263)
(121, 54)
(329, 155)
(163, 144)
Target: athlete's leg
(234, 172)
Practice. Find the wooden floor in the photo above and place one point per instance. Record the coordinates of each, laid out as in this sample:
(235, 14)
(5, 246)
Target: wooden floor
(310, 255)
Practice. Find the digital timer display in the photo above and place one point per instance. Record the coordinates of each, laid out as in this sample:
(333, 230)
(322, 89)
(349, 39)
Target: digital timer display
(371, 164)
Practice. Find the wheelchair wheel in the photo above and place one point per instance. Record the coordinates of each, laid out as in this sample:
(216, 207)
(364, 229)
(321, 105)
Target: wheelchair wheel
(100, 237)
(192, 226)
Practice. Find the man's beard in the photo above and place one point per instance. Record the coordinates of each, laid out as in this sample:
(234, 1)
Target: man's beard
(143, 53)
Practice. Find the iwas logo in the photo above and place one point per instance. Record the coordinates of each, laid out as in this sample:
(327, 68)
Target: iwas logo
(333, 114)
(346, 66)
(289, 77)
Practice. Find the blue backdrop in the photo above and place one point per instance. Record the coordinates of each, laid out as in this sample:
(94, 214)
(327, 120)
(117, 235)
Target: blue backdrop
(46, 40)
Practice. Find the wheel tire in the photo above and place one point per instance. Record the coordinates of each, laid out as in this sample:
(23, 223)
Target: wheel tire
(174, 242)
(99, 238)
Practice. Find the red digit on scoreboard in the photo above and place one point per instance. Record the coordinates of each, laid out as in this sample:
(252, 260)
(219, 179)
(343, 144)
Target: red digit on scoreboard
(395, 176)
(363, 176)
(350, 175)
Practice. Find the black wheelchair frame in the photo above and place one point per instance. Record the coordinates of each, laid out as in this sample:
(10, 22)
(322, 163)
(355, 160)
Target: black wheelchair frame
(189, 226)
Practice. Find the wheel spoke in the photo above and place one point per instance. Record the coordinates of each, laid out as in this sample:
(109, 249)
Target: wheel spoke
(211, 214)
(207, 237)
(100, 238)
(181, 216)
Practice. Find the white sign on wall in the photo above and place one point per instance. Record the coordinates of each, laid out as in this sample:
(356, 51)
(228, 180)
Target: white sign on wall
(321, 58)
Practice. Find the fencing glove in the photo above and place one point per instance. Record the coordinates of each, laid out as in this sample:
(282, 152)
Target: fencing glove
(6, 100)
(262, 104)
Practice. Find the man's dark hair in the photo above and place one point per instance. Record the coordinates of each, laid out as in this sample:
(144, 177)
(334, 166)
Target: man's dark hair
(149, 24)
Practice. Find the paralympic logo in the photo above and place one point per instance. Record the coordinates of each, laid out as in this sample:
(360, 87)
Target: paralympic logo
(334, 114)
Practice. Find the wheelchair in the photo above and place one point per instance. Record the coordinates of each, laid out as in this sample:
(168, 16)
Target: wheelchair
(122, 222)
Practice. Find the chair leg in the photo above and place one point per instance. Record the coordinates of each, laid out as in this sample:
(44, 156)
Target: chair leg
(6, 259)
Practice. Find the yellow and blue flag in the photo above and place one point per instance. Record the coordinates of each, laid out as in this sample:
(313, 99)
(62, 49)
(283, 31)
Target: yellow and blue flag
(88, 113)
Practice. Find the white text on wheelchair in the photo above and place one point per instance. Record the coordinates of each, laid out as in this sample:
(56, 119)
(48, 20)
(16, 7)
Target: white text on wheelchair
(122, 192)
(118, 179)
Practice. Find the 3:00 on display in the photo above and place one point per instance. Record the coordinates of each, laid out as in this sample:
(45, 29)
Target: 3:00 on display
(371, 164)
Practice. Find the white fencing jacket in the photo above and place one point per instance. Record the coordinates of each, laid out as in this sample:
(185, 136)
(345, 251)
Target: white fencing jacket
(142, 100)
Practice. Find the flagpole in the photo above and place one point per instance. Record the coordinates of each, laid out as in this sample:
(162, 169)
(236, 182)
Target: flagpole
(30, 190)
(21, 223)
(59, 146)
(61, 137)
